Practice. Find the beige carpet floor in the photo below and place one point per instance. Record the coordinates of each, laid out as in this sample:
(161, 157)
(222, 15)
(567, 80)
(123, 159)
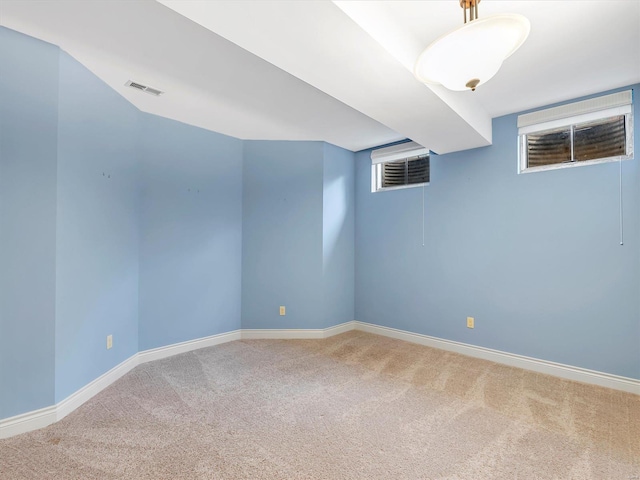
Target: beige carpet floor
(354, 406)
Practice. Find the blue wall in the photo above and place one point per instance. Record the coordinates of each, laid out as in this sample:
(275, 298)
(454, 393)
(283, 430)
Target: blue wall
(190, 232)
(282, 234)
(112, 221)
(28, 140)
(298, 235)
(97, 229)
(338, 235)
(535, 258)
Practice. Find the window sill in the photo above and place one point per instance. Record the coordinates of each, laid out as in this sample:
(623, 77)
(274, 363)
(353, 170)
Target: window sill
(401, 187)
(559, 166)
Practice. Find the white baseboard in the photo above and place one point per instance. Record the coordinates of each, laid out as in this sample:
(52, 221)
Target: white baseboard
(568, 372)
(341, 328)
(36, 419)
(29, 421)
(183, 347)
(296, 333)
(73, 401)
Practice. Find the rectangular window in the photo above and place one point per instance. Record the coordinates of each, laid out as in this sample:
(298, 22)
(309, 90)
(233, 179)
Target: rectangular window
(592, 131)
(400, 166)
(405, 172)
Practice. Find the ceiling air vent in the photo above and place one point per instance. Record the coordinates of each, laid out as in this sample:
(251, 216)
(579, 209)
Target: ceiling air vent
(144, 88)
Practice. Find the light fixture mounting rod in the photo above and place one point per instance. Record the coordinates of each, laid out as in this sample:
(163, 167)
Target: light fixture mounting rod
(472, 6)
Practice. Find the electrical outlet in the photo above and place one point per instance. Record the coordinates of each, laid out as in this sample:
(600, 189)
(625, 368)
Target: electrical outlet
(470, 322)
(109, 341)
(283, 311)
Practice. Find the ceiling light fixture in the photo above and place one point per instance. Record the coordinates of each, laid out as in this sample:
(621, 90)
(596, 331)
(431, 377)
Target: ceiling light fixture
(473, 53)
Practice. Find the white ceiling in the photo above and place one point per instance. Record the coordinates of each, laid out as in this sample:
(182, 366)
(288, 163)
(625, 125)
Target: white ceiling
(333, 71)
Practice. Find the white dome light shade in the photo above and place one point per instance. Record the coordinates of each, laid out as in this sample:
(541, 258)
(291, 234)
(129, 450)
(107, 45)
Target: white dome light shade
(474, 51)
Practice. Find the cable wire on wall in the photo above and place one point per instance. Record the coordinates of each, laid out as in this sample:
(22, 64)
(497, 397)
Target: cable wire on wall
(620, 188)
(423, 215)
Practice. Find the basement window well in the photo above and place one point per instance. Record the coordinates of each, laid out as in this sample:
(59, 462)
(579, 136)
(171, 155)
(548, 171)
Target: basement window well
(582, 133)
(400, 166)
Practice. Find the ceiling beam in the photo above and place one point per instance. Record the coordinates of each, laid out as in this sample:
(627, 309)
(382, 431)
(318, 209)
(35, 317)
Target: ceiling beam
(319, 44)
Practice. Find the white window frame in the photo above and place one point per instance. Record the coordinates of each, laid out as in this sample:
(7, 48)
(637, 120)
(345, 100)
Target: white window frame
(405, 151)
(570, 115)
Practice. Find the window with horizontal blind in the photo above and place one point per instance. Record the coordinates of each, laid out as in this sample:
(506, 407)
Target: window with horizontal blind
(592, 131)
(400, 166)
